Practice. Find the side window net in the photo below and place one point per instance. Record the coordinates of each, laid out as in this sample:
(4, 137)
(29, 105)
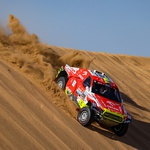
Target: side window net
(87, 82)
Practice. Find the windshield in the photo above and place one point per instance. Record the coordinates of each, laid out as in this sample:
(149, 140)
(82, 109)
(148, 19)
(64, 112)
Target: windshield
(106, 91)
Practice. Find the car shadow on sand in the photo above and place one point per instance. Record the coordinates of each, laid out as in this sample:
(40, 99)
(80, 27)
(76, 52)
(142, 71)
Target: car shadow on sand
(128, 100)
(138, 133)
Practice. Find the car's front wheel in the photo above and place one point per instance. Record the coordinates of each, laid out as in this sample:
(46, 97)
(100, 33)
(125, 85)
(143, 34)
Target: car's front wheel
(85, 116)
(120, 129)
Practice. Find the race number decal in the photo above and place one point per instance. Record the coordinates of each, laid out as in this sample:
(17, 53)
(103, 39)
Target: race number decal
(74, 83)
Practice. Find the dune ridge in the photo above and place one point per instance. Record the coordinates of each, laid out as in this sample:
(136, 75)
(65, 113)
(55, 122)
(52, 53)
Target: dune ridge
(36, 114)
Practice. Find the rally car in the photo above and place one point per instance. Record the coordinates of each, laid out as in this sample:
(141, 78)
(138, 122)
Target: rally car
(97, 97)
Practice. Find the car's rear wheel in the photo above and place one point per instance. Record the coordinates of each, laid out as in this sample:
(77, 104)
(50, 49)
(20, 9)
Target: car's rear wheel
(61, 82)
(120, 129)
(85, 116)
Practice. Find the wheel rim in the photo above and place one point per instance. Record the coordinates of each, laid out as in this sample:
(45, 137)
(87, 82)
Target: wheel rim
(84, 116)
(60, 84)
(118, 127)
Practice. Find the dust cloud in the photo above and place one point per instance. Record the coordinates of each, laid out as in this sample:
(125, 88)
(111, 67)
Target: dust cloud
(37, 60)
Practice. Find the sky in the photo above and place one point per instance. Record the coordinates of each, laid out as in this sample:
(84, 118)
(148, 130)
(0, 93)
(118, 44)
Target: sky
(112, 26)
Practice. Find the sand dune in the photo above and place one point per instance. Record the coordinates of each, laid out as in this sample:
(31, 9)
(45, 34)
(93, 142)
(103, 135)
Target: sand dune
(36, 114)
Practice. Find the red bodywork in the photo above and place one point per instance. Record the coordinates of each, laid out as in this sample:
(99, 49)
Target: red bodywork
(76, 85)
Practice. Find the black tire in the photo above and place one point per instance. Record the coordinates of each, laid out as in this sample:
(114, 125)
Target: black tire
(85, 116)
(120, 129)
(61, 82)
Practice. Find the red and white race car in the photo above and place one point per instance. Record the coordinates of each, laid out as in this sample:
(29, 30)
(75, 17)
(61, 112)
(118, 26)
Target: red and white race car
(97, 97)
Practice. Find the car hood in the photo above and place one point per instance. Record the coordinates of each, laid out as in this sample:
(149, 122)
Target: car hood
(111, 105)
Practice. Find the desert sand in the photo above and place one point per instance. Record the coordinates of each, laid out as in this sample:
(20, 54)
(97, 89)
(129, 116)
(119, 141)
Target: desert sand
(36, 114)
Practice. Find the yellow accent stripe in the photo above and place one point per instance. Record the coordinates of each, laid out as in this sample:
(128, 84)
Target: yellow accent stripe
(82, 103)
(113, 116)
(106, 80)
